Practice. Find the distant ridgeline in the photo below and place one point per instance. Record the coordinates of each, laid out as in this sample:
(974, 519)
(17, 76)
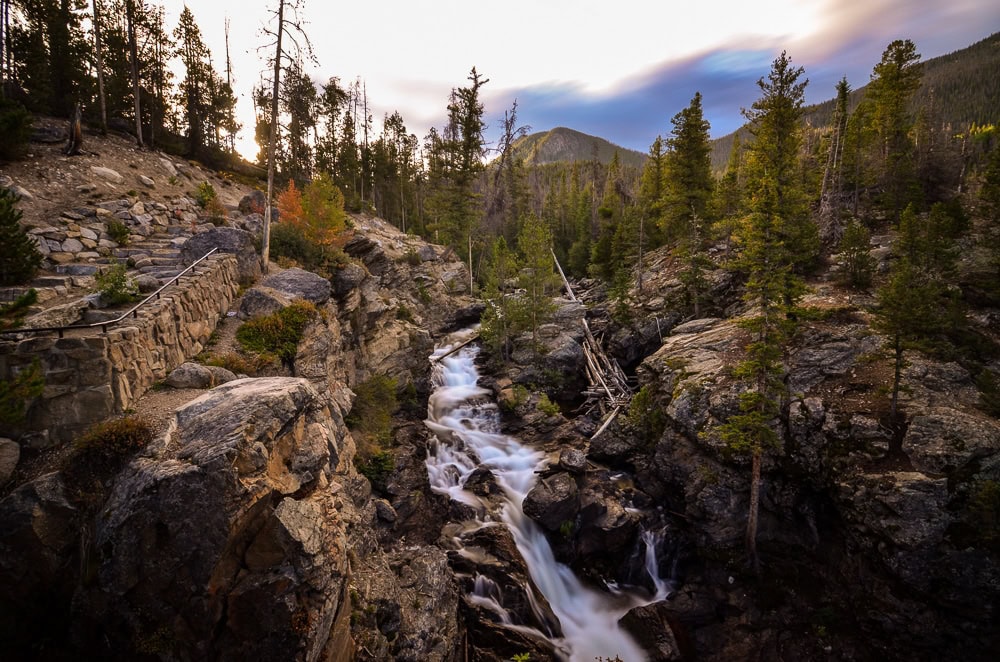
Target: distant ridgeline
(562, 144)
(959, 89)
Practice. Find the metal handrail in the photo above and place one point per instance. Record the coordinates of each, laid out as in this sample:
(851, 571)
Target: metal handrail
(105, 324)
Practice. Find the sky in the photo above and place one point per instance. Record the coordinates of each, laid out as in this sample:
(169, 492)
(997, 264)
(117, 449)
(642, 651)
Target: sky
(618, 69)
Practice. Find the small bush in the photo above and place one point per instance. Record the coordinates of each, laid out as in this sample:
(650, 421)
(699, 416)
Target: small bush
(19, 257)
(374, 405)
(116, 286)
(377, 467)
(646, 416)
(277, 335)
(216, 211)
(113, 441)
(235, 363)
(423, 294)
(411, 257)
(119, 232)
(288, 241)
(15, 127)
(204, 195)
(403, 314)
(17, 393)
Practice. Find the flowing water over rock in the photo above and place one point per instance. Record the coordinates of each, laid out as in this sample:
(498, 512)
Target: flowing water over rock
(466, 425)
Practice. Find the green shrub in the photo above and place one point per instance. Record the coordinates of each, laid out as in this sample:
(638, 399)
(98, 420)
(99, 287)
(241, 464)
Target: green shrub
(17, 393)
(646, 416)
(858, 264)
(116, 286)
(411, 257)
(19, 258)
(546, 406)
(374, 405)
(12, 314)
(118, 231)
(376, 467)
(112, 441)
(403, 313)
(989, 393)
(204, 195)
(15, 127)
(277, 335)
(290, 242)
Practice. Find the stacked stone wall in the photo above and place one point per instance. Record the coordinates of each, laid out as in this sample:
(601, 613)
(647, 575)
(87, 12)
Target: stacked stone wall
(88, 378)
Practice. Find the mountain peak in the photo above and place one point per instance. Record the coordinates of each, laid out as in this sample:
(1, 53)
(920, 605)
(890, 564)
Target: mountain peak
(565, 144)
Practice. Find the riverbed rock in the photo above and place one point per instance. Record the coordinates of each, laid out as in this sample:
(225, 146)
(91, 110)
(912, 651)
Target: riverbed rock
(553, 502)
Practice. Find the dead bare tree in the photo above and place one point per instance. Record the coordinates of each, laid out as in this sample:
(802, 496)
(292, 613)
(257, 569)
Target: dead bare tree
(99, 61)
(133, 50)
(287, 25)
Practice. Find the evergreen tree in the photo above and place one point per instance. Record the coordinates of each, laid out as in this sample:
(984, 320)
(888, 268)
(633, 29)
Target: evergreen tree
(502, 318)
(773, 177)
(832, 185)
(19, 258)
(298, 102)
(774, 239)
(537, 274)
(688, 183)
(50, 54)
(894, 81)
(858, 266)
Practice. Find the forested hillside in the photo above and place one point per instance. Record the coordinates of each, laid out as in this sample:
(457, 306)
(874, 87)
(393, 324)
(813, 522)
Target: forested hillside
(562, 144)
(961, 89)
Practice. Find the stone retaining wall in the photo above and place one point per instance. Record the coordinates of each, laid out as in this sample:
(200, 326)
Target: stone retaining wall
(90, 378)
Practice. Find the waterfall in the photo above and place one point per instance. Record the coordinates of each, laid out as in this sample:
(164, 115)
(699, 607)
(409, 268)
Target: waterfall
(467, 435)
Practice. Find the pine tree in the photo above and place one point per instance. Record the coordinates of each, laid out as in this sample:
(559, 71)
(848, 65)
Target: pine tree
(894, 81)
(688, 174)
(774, 239)
(502, 318)
(537, 275)
(858, 266)
(19, 258)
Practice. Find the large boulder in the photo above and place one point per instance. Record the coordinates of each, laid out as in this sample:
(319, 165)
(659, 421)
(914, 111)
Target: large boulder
(258, 570)
(227, 240)
(553, 502)
(300, 284)
(261, 301)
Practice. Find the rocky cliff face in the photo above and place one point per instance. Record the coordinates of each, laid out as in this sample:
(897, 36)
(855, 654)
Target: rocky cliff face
(873, 539)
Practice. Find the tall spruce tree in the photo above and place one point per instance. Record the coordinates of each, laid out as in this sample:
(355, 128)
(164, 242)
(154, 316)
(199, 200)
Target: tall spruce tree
(688, 182)
(774, 238)
(894, 81)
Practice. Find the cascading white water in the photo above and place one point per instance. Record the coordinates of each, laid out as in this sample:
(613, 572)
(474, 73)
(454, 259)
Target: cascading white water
(467, 433)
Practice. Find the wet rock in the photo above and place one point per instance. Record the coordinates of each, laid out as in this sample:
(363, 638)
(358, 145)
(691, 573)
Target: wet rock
(190, 375)
(300, 284)
(553, 501)
(482, 482)
(573, 461)
(650, 626)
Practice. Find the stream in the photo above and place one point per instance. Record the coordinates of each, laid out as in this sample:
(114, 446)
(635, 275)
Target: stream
(466, 425)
